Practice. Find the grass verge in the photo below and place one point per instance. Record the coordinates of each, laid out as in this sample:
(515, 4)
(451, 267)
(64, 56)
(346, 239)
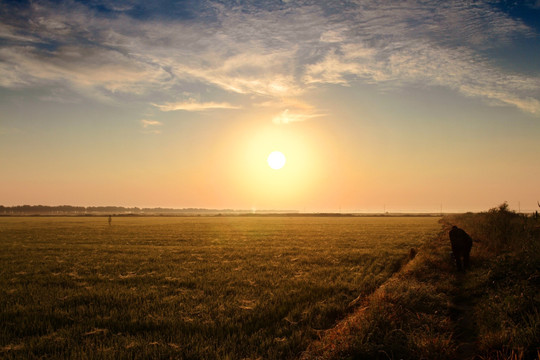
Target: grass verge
(405, 318)
(428, 310)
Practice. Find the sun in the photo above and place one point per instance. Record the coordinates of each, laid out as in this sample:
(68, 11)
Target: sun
(276, 160)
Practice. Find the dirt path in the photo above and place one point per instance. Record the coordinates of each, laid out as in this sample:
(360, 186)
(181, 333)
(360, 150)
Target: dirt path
(462, 315)
(461, 311)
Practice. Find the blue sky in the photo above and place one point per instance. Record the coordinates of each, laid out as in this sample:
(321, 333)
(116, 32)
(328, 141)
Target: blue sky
(409, 104)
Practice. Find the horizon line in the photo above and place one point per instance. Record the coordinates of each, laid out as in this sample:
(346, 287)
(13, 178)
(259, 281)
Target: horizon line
(253, 210)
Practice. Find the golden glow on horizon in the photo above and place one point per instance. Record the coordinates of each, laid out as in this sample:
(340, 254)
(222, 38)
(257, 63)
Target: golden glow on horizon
(251, 181)
(276, 160)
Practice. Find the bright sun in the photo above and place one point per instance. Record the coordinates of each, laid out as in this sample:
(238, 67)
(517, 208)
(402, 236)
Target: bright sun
(276, 160)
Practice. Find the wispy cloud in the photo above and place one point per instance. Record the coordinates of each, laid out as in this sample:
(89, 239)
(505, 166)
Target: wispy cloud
(151, 126)
(88, 70)
(288, 102)
(150, 123)
(429, 65)
(266, 52)
(193, 105)
(287, 117)
(405, 44)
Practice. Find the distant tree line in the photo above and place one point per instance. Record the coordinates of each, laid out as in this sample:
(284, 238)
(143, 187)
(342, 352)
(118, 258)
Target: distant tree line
(114, 210)
(63, 210)
(91, 210)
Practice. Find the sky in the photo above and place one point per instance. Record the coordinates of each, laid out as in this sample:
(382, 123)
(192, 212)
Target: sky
(376, 105)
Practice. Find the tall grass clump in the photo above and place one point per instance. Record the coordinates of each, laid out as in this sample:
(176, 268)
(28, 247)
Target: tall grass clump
(500, 230)
(506, 279)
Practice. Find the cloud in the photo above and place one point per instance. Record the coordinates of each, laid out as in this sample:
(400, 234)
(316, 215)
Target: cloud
(9, 33)
(86, 69)
(149, 123)
(293, 103)
(399, 45)
(287, 117)
(333, 36)
(264, 52)
(66, 46)
(193, 105)
(149, 126)
(335, 68)
(526, 104)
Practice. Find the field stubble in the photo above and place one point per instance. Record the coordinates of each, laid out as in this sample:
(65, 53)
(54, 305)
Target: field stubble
(189, 287)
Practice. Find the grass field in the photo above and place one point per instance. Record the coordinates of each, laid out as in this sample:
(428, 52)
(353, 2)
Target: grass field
(189, 287)
(429, 310)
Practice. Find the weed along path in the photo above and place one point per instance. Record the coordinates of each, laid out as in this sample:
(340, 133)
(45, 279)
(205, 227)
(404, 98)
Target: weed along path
(429, 310)
(421, 312)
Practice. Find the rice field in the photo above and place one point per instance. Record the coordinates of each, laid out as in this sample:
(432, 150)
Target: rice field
(189, 287)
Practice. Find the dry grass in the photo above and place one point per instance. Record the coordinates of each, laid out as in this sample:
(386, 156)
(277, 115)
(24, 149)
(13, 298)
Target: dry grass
(406, 318)
(189, 288)
(430, 311)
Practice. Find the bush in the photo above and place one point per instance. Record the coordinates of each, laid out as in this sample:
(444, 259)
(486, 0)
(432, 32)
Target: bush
(499, 229)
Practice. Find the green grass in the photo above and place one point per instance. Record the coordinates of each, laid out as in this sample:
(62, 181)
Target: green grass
(191, 288)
